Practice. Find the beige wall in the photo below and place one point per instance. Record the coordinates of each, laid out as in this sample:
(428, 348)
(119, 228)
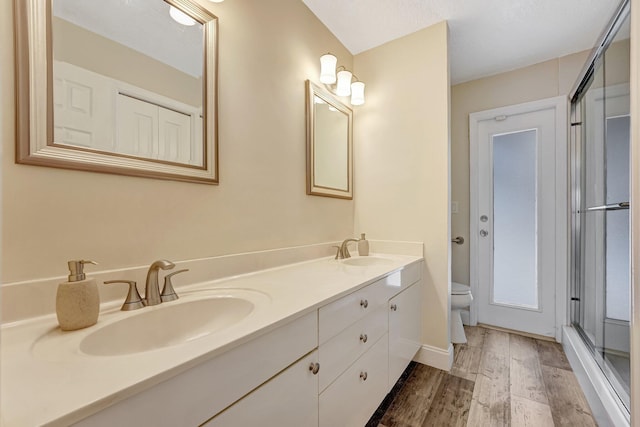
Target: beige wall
(539, 81)
(402, 152)
(267, 51)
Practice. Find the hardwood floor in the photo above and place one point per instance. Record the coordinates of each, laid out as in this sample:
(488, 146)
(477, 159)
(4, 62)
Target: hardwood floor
(498, 379)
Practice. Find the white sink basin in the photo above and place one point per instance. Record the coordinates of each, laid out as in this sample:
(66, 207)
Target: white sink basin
(367, 261)
(197, 314)
(167, 325)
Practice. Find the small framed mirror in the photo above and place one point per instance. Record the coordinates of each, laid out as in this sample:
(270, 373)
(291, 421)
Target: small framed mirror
(125, 87)
(329, 145)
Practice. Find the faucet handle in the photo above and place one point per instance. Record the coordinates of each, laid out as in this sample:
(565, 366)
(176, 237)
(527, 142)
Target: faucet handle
(133, 301)
(337, 252)
(168, 293)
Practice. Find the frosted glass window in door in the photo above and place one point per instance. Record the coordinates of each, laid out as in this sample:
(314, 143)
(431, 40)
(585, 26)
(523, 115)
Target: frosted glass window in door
(514, 219)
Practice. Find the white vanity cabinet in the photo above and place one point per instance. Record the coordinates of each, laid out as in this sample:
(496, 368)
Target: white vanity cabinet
(405, 314)
(329, 367)
(366, 340)
(288, 399)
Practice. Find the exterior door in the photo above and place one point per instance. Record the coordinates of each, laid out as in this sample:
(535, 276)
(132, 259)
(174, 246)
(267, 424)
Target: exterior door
(516, 221)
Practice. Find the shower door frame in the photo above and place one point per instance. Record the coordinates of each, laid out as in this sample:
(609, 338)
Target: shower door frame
(561, 106)
(580, 89)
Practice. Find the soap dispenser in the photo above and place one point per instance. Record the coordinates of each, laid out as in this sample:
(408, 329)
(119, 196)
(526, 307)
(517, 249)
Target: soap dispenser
(77, 300)
(363, 246)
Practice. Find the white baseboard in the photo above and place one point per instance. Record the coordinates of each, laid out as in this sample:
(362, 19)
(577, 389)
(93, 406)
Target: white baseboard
(605, 405)
(435, 356)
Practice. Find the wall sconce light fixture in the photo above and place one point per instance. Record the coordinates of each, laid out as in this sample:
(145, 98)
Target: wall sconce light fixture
(343, 77)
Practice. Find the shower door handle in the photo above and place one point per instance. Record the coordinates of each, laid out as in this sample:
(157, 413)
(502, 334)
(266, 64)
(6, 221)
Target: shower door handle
(612, 207)
(484, 233)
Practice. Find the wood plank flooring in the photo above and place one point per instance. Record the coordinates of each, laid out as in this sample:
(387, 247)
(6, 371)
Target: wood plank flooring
(498, 379)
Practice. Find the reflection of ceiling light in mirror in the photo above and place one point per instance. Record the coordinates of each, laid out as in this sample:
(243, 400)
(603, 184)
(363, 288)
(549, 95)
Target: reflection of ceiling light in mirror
(317, 100)
(180, 17)
(332, 108)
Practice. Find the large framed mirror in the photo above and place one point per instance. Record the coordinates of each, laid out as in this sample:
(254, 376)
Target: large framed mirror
(115, 86)
(329, 144)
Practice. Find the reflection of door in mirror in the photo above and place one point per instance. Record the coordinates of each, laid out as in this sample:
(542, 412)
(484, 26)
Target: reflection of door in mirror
(128, 80)
(330, 153)
(329, 145)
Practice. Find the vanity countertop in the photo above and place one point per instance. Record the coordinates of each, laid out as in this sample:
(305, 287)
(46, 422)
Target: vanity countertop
(62, 385)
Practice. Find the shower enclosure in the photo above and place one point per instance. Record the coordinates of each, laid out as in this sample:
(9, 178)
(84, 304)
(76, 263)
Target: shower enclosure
(600, 135)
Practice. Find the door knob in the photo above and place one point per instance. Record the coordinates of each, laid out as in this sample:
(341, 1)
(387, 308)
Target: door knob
(484, 233)
(458, 240)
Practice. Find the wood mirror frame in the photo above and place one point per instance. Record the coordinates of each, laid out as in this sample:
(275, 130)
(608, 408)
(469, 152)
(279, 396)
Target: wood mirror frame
(315, 184)
(35, 144)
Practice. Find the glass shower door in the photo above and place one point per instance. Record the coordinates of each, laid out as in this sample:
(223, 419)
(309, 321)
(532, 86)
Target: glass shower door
(601, 293)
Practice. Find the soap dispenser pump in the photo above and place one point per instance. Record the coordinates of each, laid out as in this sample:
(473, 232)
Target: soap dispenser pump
(77, 300)
(363, 245)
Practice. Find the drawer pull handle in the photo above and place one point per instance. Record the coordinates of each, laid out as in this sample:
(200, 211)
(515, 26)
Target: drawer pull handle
(364, 303)
(314, 368)
(363, 376)
(364, 338)
(394, 307)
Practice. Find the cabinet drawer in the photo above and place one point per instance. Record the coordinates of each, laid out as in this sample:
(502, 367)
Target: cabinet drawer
(297, 386)
(354, 396)
(341, 351)
(338, 315)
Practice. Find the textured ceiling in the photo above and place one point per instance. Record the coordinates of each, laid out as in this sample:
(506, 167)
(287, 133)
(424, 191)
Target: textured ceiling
(486, 36)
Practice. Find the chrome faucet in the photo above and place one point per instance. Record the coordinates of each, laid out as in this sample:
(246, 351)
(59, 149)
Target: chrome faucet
(152, 288)
(343, 250)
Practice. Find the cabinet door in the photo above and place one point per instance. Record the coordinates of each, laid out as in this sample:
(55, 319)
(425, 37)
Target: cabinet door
(288, 399)
(405, 329)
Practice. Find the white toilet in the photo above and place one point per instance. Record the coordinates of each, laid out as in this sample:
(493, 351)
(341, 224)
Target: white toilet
(460, 299)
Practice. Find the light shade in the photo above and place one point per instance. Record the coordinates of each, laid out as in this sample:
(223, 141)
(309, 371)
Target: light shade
(328, 69)
(357, 93)
(344, 83)
(180, 17)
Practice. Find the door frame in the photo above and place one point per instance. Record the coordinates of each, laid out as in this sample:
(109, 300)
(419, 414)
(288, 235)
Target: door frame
(560, 105)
